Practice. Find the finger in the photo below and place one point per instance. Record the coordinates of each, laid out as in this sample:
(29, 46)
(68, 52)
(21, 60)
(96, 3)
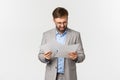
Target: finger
(47, 57)
(49, 52)
(70, 56)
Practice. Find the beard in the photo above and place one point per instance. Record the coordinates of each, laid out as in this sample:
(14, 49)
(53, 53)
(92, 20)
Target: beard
(61, 29)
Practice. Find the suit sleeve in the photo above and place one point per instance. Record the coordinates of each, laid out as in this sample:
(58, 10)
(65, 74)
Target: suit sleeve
(80, 51)
(41, 52)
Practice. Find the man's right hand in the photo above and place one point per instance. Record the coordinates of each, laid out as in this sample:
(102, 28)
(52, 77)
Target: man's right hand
(47, 55)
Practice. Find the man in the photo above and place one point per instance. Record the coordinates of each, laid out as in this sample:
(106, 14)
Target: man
(61, 68)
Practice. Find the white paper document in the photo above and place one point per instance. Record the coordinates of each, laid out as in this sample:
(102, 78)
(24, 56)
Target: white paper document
(59, 50)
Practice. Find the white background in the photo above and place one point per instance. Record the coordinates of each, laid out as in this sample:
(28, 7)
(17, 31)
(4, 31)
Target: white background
(22, 23)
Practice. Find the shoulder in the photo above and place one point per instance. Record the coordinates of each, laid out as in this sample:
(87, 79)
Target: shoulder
(49, 32)
(73, 32)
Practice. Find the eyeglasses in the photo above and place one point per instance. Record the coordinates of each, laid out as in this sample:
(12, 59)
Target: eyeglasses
(61, 23)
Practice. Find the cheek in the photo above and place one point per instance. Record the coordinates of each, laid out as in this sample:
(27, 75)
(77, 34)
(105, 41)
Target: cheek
(58, 26)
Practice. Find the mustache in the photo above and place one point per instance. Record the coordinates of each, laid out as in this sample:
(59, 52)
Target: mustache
(61, 26)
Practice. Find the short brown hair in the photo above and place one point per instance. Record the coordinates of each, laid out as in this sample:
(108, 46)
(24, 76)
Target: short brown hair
(59, 12)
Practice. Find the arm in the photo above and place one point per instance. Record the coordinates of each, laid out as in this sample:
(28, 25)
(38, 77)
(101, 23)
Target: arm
(41, 55)
(80, 51)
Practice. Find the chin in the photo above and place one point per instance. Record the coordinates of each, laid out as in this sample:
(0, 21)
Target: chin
(62, 31)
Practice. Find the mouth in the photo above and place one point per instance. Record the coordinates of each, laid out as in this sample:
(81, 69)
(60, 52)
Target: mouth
(62, 28)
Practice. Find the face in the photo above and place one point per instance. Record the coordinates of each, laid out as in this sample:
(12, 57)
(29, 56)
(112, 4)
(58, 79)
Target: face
(61, 23)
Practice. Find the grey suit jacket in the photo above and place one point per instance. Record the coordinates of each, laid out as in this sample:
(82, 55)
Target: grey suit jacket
(72, 37)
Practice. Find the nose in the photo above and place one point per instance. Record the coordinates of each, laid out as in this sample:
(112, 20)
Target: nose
(62, 25)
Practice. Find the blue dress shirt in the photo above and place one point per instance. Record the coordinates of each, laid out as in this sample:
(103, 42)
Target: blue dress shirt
(60, 38)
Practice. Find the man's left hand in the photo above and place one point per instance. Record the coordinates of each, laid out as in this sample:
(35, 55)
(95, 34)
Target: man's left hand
(73, 55)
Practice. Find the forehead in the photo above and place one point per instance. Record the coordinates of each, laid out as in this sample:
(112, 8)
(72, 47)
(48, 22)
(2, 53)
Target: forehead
(61, 19)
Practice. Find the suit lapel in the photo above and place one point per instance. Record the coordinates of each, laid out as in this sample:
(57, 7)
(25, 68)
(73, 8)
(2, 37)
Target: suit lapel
(53, 35)
(67, 37)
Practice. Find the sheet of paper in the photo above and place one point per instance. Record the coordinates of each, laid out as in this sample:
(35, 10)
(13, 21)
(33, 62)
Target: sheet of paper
(59, 50)
(64, 50)
(51, 46)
